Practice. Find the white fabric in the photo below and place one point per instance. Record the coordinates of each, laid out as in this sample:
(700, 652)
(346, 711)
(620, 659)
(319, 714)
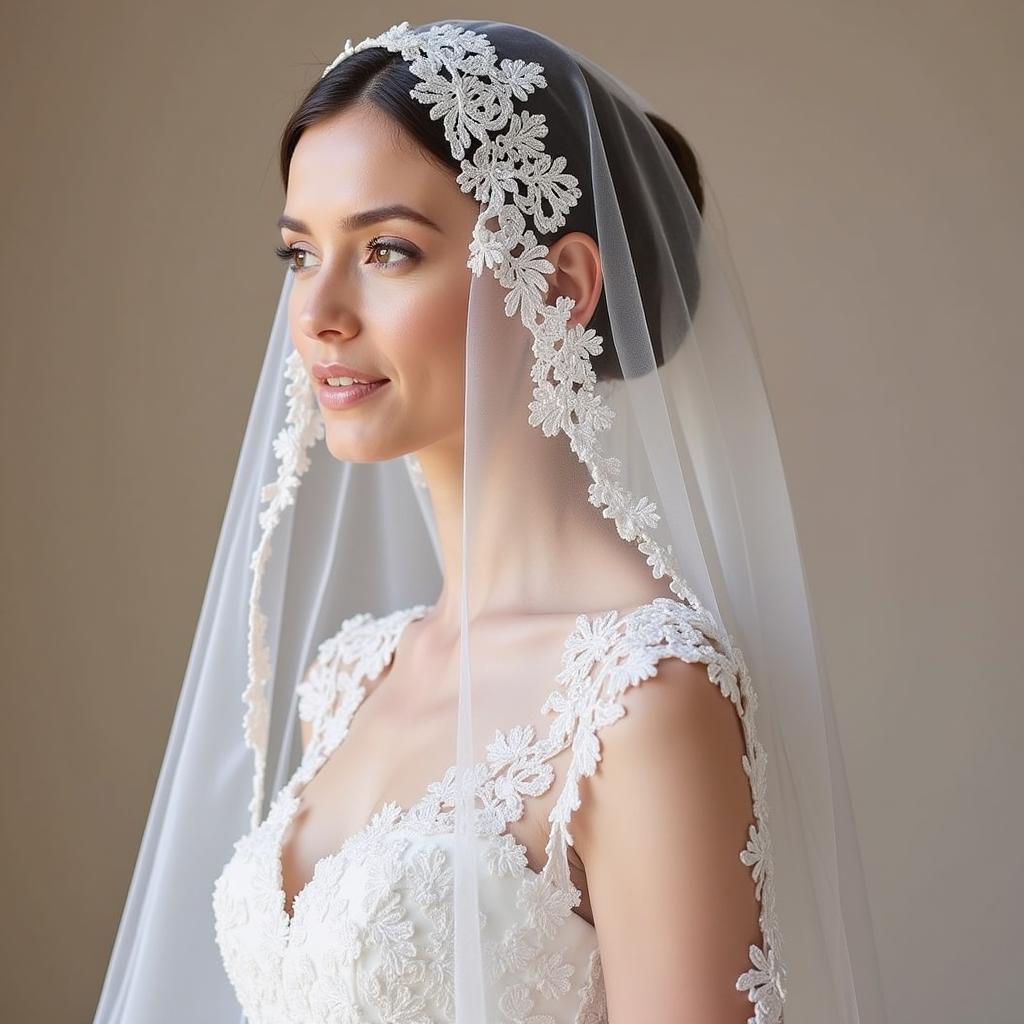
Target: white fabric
(370, 936)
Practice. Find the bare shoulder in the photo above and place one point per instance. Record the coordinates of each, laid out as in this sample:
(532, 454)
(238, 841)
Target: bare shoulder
(680, 737)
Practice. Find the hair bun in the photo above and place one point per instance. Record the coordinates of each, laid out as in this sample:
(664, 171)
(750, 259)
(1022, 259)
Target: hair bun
(684, 156)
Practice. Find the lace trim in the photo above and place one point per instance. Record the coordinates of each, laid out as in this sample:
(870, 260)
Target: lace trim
(304, 426)
(330, 694)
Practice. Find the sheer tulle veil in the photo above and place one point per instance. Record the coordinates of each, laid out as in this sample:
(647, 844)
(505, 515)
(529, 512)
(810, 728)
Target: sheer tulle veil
(649, 430)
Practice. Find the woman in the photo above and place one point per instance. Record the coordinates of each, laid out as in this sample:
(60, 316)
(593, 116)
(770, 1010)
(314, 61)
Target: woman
(550, 476)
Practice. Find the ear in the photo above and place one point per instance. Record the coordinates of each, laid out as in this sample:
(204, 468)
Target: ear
(577, 262)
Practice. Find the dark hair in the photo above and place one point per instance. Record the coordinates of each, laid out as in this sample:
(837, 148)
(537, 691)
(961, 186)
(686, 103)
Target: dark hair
(382, 79)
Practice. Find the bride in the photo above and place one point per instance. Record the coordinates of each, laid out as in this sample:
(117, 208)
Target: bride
(548, 475)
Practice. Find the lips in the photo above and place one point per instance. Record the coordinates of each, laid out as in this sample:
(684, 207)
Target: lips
(321, 371)
(345, 395)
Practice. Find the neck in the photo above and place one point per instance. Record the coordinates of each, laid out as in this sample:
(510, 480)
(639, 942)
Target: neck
(535, 544)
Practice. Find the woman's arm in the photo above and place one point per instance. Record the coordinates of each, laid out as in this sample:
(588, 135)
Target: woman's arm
(660, 828)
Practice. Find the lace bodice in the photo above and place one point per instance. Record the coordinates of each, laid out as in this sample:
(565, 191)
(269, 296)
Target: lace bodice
(371, 935)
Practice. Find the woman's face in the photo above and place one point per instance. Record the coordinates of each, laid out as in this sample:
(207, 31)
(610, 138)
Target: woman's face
(380, 289)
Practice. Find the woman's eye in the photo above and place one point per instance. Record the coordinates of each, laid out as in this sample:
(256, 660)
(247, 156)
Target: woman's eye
(389, 253)
(289, 252)
(385, 254)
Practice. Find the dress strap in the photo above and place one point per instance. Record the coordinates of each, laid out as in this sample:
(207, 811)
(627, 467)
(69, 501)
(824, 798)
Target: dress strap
(358, 652)
(604, 656)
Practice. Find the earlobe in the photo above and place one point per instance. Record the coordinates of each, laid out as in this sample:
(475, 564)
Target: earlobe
(577, 262)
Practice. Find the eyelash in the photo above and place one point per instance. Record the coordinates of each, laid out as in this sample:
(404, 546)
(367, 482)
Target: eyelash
(287, 253)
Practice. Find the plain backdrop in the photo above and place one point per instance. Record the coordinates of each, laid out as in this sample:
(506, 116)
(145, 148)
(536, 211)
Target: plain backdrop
(868, 159)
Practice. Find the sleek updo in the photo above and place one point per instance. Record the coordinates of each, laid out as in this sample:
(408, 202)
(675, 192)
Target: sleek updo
(382, 79)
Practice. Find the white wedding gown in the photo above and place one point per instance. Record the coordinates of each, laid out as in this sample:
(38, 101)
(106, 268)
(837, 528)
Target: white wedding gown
(371, 936)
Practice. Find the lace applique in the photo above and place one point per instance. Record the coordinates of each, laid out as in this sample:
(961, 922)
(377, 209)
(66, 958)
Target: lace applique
(304, 427)
(330, 694)
(373, 929)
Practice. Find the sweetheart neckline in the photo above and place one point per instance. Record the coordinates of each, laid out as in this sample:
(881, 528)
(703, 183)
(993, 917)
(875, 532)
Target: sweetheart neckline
(291, 793)
(398, 825)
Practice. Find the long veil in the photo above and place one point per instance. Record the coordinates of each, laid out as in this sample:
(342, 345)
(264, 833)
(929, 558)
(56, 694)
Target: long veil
(645, 439)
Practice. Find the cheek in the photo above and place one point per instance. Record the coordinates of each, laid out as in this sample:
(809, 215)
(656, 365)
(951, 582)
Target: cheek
(298, 338)
(427, 343)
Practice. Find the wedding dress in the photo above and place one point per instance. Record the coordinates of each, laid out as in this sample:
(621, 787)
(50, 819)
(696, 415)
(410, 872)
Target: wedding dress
(637, 445)
(370, 935)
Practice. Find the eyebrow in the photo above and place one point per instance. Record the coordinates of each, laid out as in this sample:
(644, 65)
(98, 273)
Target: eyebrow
(354, 221)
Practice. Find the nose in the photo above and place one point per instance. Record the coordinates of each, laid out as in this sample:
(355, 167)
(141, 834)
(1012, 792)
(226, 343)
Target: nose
(326, 312)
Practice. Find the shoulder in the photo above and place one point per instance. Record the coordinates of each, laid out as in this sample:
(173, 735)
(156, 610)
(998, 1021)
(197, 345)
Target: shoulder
(643, 693)
(677, 740)
(660, 828)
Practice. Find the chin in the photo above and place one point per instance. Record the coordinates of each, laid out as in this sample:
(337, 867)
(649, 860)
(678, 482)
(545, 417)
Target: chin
(346, 448)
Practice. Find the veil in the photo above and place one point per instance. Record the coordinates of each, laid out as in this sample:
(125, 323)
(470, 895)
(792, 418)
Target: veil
(629, 461)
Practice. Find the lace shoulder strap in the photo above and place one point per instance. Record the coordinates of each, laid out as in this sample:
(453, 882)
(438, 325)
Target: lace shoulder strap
(605, 655)
(358, 652)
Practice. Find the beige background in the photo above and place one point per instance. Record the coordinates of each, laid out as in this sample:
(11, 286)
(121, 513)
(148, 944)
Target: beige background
(868, 158)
